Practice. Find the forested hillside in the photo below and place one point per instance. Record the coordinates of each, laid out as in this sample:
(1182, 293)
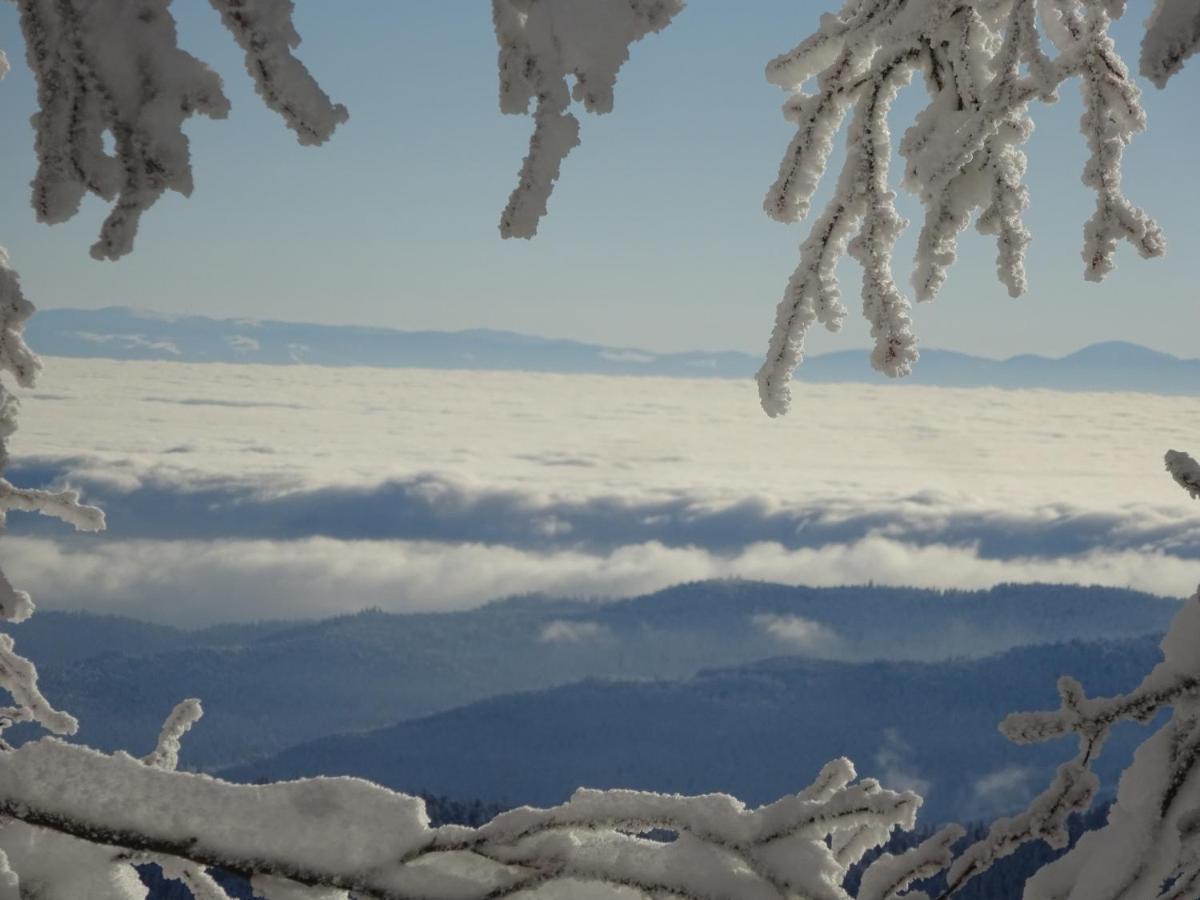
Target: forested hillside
(748, 731)
(260, 681)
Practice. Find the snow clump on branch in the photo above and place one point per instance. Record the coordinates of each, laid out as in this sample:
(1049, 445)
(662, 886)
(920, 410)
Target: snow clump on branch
(983, 64)
(115, 66)
(542, 44)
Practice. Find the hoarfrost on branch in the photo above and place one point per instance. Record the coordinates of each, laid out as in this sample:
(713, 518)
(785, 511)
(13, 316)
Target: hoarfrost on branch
(542, 44)
(983, 65)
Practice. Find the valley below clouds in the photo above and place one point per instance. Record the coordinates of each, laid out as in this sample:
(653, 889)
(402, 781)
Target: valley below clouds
(238, 492)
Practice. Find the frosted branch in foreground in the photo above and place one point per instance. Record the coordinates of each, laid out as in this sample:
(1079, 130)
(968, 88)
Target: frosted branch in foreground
(1185, 471)
(178, 723)
(542, 44)
(1149, 847)
(343, 834)
(18, 677)
(115, 67)
(983, 64)
(1172, 35)
(264, 30)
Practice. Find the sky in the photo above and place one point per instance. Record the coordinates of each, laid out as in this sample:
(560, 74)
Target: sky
(655, 238)
(241, 492)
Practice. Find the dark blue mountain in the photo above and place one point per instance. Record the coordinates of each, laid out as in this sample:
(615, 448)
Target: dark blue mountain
(269, 686)
(758, 731)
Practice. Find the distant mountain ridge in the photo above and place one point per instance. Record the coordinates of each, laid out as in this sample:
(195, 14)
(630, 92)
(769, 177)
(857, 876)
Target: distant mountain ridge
(268, 686)
(124, 333)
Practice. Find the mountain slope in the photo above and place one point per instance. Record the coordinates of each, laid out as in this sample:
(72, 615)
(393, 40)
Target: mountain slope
(268, 686)
(757, 731)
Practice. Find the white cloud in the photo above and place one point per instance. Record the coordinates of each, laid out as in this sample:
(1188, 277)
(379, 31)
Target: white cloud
(564, 631)
(895, 767)
(1002, 791)
(1006, 784)
(240, 343)
(627, 356)
(934, 450)
(130, 341)
(799, 632)
(199, 582)
(588, 485)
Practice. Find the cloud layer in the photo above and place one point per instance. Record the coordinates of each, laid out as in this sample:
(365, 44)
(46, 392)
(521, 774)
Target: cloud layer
(199, 582)
(245, 491)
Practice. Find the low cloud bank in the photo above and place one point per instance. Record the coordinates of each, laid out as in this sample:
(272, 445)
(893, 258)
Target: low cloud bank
(245, 491)
(430, 507)
(190, 582)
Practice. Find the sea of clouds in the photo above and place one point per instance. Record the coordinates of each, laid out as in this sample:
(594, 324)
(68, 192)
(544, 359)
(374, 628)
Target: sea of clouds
(246, 492)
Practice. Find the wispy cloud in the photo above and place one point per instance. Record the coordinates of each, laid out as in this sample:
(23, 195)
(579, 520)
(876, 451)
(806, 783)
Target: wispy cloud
(130, 341)
(896, 767)
(797, 632)
(241, 343)
(563, 631)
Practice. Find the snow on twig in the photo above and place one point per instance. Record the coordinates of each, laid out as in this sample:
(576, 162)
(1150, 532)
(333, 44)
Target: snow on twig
(543, 43)
(1185, 471)
(983, 65)
(115, 67)
(344, 834)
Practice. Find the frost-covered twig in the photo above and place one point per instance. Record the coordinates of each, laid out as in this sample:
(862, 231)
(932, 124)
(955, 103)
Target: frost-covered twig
(349, 835)
(178, 723)
(983, 65)
(115, 66)
(264, 30)
(1185, 471)
(542, 44)
(17, 675)
(1172, 35)
(1148, 848)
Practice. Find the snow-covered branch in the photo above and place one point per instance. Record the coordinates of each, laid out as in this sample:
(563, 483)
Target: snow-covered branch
(264, 30)
(346, 834)
(1185, 471)
(543, 43)
(115, 67)
(983, 64)
(1149, 847)
(1172, 35)
(18, 677)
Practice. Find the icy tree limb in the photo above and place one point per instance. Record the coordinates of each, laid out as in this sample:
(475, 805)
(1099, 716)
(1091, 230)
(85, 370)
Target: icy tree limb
(984, 64)
(1185, 471)
(264, 30)
(19, 677)
(1172, 35)
(115, 67)
(542, 44)
(10, 887)
(344, 834)
(889, 875)
(1150, 839)
(1112, 115)
(165, 756)
(201, 885)
(178, 723)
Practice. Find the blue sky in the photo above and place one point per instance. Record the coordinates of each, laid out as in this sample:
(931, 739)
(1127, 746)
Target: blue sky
(655, 237)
